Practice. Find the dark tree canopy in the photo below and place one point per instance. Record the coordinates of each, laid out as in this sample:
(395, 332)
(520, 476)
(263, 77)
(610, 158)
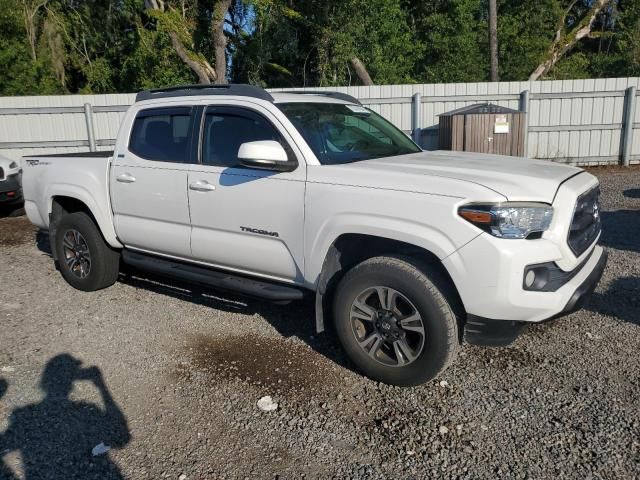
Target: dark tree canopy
(102, 46)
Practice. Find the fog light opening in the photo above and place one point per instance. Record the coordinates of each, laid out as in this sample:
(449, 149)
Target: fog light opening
(530, 278)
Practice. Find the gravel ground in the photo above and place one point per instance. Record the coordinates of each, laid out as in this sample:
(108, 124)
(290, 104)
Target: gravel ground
(169, 376)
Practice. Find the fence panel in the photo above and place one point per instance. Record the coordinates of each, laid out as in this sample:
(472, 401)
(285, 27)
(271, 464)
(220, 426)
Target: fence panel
(572, 121)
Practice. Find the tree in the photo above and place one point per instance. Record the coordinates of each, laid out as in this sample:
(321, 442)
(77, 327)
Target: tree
(101, 46)
(453, 40)
(316, 42)
(574, 25)
(177, 26)
(493, 40)
(219, 38)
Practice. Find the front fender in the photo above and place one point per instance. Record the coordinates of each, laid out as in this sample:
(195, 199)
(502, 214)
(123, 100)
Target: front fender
(422, 235)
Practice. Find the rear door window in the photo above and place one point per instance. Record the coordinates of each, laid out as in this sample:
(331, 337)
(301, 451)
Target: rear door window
(163, 134)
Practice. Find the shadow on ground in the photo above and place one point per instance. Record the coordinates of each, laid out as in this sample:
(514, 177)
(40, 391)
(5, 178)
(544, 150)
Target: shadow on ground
(621, 230)
(621, 300)
(272, 361)
(632, 193)
(264, 366)
(55, 437)
(11, 211)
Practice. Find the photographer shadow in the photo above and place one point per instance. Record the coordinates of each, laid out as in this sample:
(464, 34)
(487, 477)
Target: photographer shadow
(55, 437)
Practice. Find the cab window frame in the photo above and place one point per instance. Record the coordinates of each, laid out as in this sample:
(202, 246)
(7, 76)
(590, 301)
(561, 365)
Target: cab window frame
(191, 111)
(246, 112)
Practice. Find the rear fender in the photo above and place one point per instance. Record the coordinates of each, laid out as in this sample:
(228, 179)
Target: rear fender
(101, 214)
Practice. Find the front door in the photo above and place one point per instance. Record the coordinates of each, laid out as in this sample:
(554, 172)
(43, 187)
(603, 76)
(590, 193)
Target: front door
(245, 219)
(148, 182)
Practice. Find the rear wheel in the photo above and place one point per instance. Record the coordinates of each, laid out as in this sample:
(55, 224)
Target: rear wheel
(85, 260)
(394, 322)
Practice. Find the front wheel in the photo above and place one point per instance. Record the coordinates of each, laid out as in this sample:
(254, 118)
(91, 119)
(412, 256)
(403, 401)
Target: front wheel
(86, 261)
(394, 322)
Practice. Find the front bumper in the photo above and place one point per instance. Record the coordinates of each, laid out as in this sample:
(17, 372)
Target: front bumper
(488, 273)
(587, 287)
(11, 189)
(497, 333)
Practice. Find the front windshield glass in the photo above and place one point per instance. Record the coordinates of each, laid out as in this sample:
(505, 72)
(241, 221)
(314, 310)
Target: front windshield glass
(339, 133)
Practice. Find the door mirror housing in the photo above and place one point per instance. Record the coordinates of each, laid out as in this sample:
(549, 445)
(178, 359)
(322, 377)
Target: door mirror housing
(265, 155)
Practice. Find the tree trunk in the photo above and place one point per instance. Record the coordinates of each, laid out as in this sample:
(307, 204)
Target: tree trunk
(220, 39)
(204, 71)
(493, 40)
(30, 11)
(361, 71)
(564, 42)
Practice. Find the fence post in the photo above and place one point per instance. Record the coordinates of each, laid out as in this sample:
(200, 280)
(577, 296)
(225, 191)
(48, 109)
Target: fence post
(627, 124)
(416, 104)
(91, 135)
(524, 107)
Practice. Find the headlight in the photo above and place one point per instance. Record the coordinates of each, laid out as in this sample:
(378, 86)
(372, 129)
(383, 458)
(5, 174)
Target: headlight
(509, 220)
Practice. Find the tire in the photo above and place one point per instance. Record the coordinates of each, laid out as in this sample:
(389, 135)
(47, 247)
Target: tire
(411, 289)
(97, 264)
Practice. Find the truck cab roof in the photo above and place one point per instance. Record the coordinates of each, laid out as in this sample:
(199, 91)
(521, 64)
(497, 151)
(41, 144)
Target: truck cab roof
(242, 90)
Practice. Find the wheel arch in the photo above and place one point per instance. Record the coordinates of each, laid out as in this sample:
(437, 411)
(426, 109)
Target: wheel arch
(64, 204)
(349, 249)
(78, 197)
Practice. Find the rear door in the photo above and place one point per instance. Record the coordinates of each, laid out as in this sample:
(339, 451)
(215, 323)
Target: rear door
(148, 181)
(243, 218)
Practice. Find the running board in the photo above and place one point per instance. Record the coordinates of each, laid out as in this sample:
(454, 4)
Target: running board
(212, 278)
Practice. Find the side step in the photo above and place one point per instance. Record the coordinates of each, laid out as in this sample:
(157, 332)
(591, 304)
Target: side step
(211, 278)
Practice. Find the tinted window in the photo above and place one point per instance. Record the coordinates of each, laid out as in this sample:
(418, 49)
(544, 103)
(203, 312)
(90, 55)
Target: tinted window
(162, 135)
(225, 131)
(339, 133)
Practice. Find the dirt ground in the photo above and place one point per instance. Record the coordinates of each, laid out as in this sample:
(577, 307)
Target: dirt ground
(168, 375)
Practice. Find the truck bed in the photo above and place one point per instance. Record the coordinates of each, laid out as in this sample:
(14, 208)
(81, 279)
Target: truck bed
(83, 176)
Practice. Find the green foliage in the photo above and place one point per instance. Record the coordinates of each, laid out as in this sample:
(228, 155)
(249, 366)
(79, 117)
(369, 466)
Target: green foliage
(21, 73)
(100, 46)
(154, 63)
(453, 35)
(524, 34)
(376, 31)
(312, 42)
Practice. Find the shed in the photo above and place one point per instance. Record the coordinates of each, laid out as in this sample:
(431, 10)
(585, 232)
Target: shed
(484, 128)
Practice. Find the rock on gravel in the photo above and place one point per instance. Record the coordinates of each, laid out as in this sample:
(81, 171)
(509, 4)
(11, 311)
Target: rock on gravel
(266, 404)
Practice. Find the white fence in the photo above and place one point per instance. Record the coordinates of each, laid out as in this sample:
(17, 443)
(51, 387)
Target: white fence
(584, 122)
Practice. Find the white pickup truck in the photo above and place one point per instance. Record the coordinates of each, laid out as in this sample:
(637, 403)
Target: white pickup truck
(407, 252)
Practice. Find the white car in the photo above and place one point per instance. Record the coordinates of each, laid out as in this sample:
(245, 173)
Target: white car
(407, 252)
(10, 182)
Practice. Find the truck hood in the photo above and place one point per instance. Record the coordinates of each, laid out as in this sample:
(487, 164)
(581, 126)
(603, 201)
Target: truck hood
(516, 178)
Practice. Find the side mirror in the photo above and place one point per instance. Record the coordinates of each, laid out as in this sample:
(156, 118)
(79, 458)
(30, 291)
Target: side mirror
(265, 155)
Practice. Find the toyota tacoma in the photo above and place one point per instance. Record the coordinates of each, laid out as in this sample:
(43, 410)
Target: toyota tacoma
(407, 253)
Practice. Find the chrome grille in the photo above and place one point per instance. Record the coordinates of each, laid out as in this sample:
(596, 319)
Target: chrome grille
(586, 223)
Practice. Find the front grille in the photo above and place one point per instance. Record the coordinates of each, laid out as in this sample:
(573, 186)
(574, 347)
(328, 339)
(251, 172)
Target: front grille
(586, 223)
(1, 173)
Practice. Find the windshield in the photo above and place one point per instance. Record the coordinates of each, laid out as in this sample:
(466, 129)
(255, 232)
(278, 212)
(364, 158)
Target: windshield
(339, 133)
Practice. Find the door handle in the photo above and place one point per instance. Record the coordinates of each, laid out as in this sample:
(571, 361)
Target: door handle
(202, 186)
(125, 178)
